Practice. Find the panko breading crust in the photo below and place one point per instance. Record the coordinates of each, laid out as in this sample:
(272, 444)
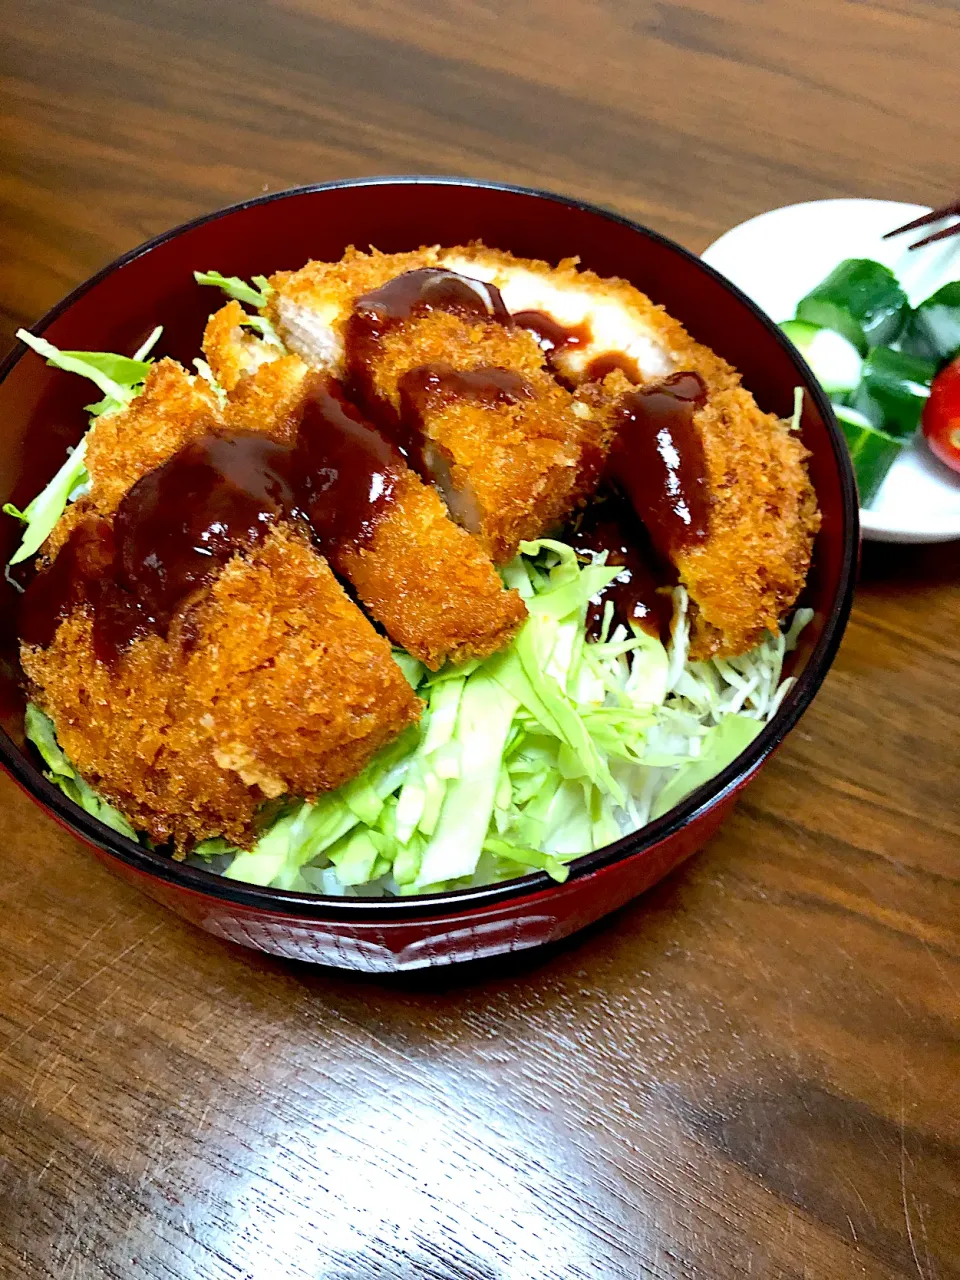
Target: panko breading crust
(764, 516)
(753, 563)
(516, 471)
(510, 471)
(232, 349)
(285, 686)
(422, 577)
(459, 609)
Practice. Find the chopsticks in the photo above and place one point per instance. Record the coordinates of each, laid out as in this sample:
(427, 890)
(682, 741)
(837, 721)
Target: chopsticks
(934, 216)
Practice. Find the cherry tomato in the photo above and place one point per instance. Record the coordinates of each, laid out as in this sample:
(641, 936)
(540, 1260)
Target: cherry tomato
(941, 416)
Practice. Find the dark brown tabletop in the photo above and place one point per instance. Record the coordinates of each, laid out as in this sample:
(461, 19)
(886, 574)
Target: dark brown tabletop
(754, 1070)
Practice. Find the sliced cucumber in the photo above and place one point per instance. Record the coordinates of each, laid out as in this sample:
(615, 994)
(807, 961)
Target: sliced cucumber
(836, 363)
(872, 452)
(860, 299)
(933, 330)
(893, 390)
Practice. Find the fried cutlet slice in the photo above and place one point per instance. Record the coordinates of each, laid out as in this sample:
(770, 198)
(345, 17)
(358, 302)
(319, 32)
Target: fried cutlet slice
(425, 580)
(285, 688)
(509, 467)
(616, 321)
(430, 584)
(764, 515)
(232, 350)
(309, 308)
(173, 738)
(123, 446)
(270, 399)
(752, 565)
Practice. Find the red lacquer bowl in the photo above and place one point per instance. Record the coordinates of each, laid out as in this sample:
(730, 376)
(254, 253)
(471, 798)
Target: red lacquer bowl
(41, 413)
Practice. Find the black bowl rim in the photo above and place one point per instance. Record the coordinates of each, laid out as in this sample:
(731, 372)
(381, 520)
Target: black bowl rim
(459, 901)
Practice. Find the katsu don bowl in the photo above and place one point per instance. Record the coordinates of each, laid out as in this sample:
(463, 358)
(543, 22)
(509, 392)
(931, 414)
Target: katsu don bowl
(435, 564)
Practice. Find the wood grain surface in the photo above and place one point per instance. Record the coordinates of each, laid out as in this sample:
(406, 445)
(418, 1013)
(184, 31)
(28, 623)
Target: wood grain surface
(754, 1071)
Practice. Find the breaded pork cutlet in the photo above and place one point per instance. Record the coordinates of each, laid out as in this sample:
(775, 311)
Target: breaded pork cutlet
(763, 516)
(609, 320)
(309, 308)
(421, 576)
(750, 567)
(284, 688)
(430, 584)
(763, 512)
(121, 447)
(511, 450)
(232, 348)
(271, 682)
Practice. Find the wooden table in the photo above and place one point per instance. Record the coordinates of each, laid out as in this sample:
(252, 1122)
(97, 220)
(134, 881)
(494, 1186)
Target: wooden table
(751, 1072)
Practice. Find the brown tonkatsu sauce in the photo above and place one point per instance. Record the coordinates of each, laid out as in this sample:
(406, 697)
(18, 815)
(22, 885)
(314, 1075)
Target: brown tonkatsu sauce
(85, 558)
(185, 519)
(607, 361)
(220, 494)
(345, 470)
(414, 293)
(657, 461)
(182, 522)
(429, 289)
(554, 338)
(610, 525)
(430, 386)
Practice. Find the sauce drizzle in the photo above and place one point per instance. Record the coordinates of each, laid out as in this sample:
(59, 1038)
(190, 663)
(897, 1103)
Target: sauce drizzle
(55, 591)
(347, 471)
(220, 494)
(607, 361)
(554, 338)
(611, 526)
(412, 294)
(657, 461)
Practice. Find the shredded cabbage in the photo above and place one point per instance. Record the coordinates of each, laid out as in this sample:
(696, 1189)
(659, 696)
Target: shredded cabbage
(793, 422)
(258, 297)
(47, 507)
(120, 378)
(207, 374)
(552, 748)
(234, 287)
(39, 729)
(265, 329)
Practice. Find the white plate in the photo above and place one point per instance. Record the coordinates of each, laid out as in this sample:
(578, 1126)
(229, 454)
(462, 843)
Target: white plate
(779, 256)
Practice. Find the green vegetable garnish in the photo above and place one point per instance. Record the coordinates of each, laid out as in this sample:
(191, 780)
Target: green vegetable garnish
(860, 299)
(933, 329)
(893, 391)
(120, 378)
(872, 451)
(234, 287)
(47, 507)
